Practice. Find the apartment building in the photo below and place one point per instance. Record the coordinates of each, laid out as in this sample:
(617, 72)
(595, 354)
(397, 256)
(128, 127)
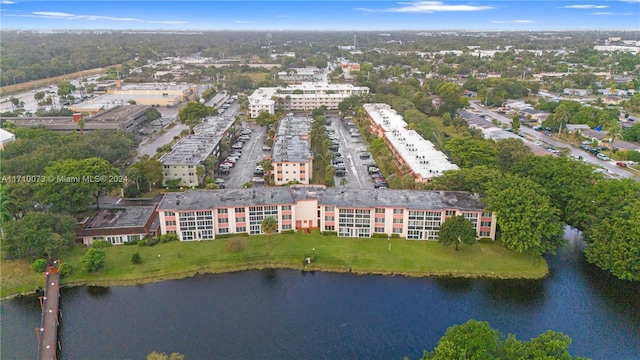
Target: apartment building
(412, 214)
(304, 96)
(192, 151)
(292, 158)
(407, 146)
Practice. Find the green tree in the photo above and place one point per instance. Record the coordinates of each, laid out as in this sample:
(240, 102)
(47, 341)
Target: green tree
(456, 230)
(269, 226)
(451, 98)
(267, 166)
(526, 217)
(515, 124)
(509, 152)
(469, 152)
(145, 172)
(39, 233)
(72, 184)
(81, 125)
(193, 113)
(93, 260)
(471, 340)
(65, 88)
(474, 179)
(152, 114)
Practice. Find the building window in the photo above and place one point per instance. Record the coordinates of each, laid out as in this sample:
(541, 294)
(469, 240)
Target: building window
(241, 219)
(286, 217)
(286, 227)
(329, 208)
(378, 229)
(450, 213)
(397, 230)
(241, 229)
(485, 223)
(170, 223)
(286, 207)
(379, 210)
(239, 210)
(486, 214)
(329, 218)
(223, 230)
(222, 211)
(485, 233)
(301, 164)
(397, 221)
(223, 220)
(169, 213)
(398, 211)
(330, 228)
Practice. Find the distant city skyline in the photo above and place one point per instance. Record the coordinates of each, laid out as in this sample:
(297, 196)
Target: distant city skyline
(269, 15)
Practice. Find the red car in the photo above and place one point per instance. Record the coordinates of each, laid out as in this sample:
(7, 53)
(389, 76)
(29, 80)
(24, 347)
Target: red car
(621, 164)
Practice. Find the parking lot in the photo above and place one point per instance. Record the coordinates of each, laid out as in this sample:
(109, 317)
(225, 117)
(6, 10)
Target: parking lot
(251, 154)
(351, 148)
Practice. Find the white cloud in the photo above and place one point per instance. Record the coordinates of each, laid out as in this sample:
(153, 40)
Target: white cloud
(67, 16)
(6, 2)
(428, 7)
(585, 7)
(243, 22)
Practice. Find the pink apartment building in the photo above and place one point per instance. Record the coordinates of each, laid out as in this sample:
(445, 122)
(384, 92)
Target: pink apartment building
(412, 214)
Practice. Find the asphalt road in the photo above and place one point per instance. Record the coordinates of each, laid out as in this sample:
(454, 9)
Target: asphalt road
(350, 147)
(533, 135)
(252, 153)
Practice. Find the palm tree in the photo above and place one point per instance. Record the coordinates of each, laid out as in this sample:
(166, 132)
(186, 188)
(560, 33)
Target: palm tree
(269, 226)
(7, 204)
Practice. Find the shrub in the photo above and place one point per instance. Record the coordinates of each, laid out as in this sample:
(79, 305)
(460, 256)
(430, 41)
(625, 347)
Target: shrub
(236, 244)
(379, 235)
(99, 244)
(395, 236)
(168, 238)
(288, 232)
(131, 191)
(93, 260)
(39, 265)
(65, 270)
(153, 241)
(130, 243)
(329, 233)
(136, 258)
(142, 242)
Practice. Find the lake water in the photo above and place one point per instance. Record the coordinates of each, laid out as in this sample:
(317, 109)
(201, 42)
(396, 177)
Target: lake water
(287, 314)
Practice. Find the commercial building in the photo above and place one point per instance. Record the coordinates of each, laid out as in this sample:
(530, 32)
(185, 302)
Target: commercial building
(304, 96)
(192, 151)
(118, 117)
(407, 146)
(292, 158)
(412, 214)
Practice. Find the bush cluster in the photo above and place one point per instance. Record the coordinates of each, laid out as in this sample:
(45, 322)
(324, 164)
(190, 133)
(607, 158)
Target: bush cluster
(99, 244)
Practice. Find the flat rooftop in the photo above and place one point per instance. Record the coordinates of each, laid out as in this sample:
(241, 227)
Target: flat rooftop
(211, 199)
(119, 113)
(194, 149)
(292, 140)
(343, 198)
(418, 153)
(133, 216)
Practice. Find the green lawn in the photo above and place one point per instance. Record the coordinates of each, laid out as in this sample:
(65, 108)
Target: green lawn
(369, 255)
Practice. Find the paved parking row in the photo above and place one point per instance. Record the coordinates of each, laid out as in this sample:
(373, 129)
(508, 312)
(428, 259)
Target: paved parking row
(251, 155)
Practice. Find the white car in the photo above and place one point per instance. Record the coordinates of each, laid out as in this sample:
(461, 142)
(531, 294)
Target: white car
(257, 179)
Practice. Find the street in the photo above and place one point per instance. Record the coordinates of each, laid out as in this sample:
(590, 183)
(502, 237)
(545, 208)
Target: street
(533, 135)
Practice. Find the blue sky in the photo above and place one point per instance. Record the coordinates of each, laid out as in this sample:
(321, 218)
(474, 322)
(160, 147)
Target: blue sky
(321, 15)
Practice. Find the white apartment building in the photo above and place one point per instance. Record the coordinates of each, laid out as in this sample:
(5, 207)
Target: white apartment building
(304, 96)
(292, 158)
(407, 146)
(412, 214)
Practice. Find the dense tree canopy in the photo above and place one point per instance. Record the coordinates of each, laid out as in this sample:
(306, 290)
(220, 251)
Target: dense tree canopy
(468, 152)
(526, 217)
(39, 233)
(70, 185)
(456, 230)
(477, 340)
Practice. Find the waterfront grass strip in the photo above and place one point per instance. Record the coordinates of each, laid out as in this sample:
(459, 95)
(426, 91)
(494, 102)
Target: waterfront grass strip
(363, 256)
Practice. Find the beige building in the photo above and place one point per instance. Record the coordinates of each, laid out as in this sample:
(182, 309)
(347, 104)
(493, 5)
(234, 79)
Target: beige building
(411, 214)
(5, 138)
(292, 158)
(304, 96)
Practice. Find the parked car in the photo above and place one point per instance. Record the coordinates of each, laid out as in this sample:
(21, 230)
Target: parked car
(258, 179)
(342, 172)
(602, 157)
(266, 148)
(621, 164)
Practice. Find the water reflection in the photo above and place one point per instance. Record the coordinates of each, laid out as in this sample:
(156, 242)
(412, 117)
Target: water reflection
(456, 286)
(526, 293)
(97, 291)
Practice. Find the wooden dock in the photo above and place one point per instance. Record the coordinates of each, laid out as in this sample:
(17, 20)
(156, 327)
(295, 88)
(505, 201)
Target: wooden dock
(47, 333)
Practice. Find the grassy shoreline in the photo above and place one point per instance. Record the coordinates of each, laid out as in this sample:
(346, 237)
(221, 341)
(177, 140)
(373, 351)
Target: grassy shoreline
(178, 260)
